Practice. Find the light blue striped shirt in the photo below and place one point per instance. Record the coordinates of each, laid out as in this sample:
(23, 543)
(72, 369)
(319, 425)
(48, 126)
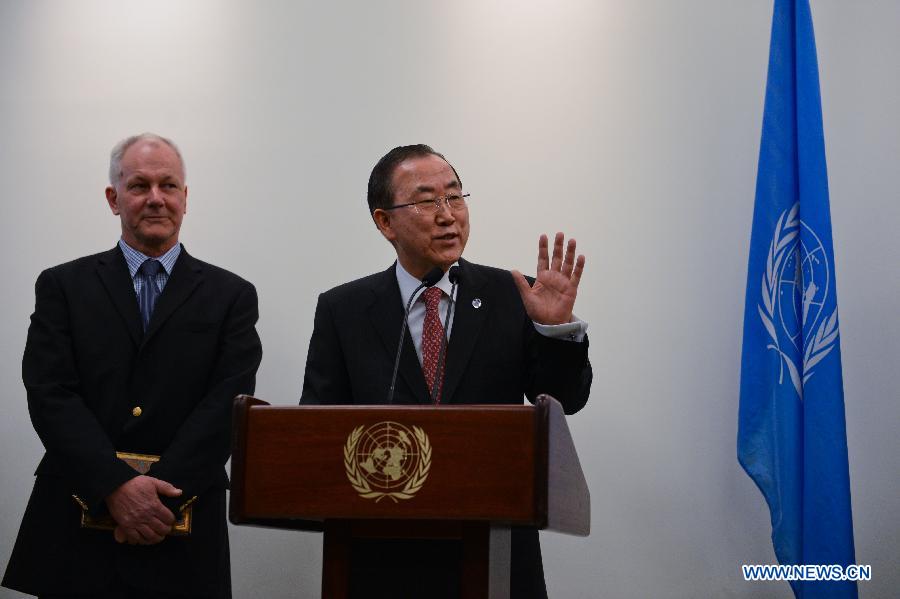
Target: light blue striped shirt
(134, 259)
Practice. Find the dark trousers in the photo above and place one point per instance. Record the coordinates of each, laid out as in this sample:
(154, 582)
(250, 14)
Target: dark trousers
(120, 589)
(430, 568)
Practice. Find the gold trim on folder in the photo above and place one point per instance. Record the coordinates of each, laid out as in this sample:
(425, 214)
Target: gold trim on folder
(141, 463)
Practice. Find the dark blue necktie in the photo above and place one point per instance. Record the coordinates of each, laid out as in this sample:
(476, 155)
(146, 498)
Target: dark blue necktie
(149, 291)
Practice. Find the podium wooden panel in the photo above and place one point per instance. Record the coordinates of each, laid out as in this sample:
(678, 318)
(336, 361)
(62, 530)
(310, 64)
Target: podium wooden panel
(488, 467)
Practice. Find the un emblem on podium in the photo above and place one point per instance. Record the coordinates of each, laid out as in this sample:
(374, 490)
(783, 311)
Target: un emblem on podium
(387, 459)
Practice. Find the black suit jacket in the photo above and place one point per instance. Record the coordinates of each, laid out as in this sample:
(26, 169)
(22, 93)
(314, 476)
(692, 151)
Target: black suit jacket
(495, 356)
(87, 365)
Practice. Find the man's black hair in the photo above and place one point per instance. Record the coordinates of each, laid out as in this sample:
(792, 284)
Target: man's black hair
(381, 192)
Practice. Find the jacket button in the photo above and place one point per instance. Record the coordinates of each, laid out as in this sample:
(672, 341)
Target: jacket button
(136, 411)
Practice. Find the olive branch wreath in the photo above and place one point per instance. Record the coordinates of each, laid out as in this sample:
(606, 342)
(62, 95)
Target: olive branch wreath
(786, 230)
(361, 485)
(820, 345)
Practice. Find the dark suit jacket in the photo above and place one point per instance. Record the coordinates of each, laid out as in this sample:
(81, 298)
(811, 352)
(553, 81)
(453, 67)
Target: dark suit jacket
(495, 356)
(87, 365)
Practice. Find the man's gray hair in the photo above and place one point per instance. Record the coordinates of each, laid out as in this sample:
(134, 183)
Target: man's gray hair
(118, 151)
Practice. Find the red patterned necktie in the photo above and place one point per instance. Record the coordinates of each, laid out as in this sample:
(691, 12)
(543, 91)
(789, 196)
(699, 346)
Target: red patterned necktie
(432, 333)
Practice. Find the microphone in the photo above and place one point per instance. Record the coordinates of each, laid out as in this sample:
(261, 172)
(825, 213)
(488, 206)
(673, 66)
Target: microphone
(453, 277)
(431, 277)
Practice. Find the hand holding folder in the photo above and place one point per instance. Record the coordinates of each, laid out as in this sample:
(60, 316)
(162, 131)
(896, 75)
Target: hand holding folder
(133, 518)
(140, 516)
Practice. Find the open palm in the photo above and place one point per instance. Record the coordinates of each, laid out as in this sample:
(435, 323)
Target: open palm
(552, 297)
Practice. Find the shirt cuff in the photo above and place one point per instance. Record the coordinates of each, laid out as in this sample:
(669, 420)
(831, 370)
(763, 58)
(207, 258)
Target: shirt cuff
(570, 331)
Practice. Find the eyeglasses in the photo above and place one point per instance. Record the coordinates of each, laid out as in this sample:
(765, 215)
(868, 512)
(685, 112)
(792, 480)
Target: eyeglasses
(454, 203)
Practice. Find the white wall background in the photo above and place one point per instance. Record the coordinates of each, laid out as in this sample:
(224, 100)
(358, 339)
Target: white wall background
(633, 126)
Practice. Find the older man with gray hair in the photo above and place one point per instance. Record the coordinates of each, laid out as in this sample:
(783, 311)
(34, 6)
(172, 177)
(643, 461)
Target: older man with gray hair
(132, 359)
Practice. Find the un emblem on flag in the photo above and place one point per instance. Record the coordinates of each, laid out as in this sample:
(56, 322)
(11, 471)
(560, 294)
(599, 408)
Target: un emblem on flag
(387, 459)
(796, 287)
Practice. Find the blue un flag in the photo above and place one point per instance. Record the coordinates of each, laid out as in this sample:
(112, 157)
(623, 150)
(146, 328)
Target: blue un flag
(792, 438)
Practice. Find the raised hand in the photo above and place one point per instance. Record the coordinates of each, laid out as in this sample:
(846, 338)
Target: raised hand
(552, 297)
(140, 516)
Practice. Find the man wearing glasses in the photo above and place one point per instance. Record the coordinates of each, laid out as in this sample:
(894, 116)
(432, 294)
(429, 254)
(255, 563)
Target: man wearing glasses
(509, 338)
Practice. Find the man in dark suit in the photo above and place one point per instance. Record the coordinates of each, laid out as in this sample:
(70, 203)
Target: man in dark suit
(508, 339)
(139, 349)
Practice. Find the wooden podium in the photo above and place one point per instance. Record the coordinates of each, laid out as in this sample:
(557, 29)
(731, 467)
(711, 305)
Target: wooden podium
(449, 472)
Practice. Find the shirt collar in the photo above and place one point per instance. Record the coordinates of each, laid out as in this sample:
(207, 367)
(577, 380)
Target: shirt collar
(134, 258)
(408, 283)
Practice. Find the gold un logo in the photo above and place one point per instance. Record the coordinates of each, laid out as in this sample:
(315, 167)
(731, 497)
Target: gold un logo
(387, 459)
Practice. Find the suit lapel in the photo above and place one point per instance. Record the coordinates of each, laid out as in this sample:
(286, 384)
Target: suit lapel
(113, 272)
(467, 324)
(386, 314)
(185, 277)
